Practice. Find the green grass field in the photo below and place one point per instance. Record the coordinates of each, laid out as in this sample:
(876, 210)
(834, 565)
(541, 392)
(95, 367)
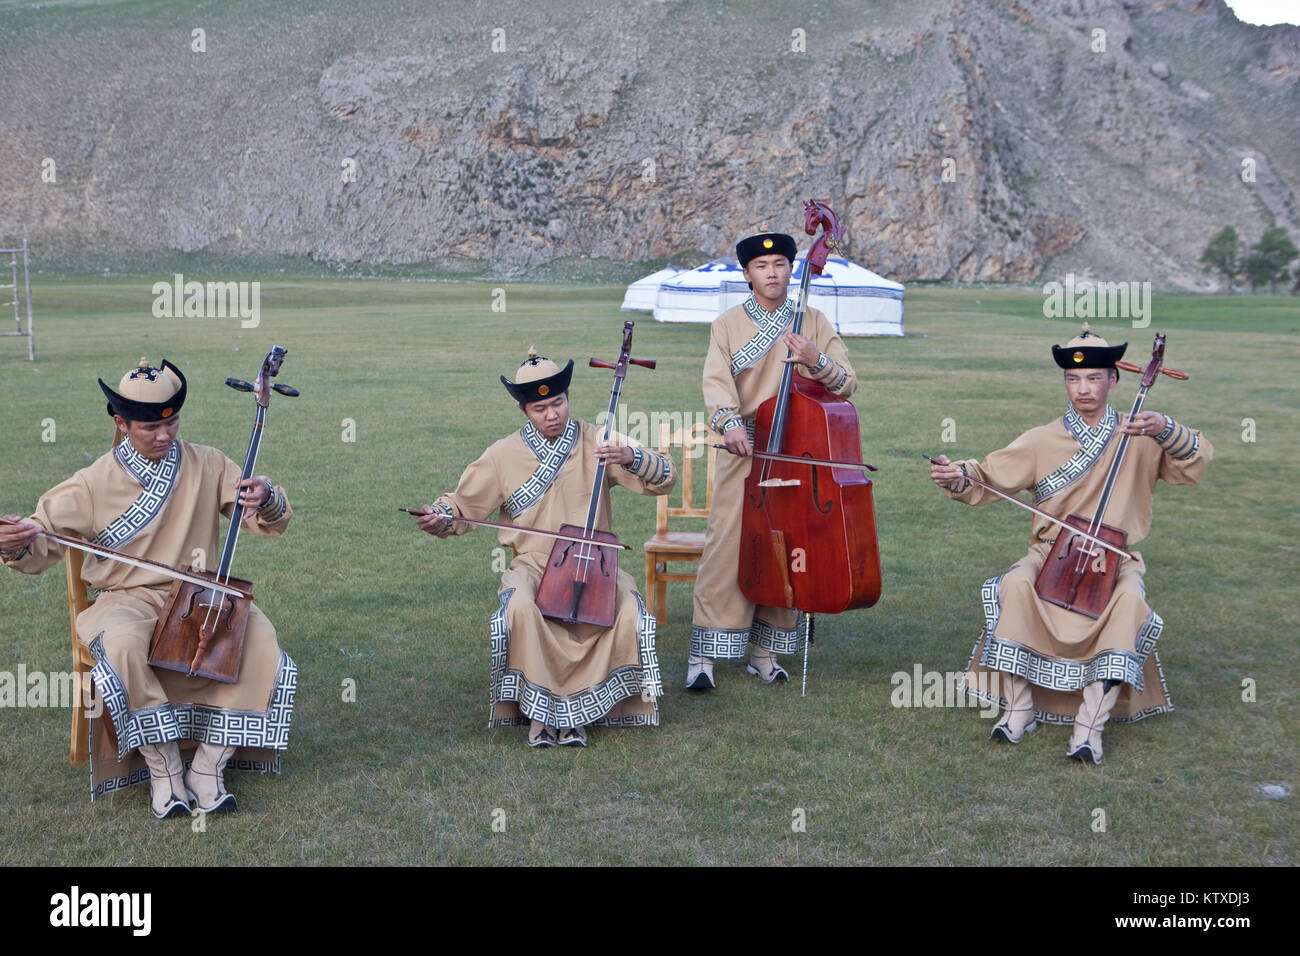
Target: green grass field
(409, 774)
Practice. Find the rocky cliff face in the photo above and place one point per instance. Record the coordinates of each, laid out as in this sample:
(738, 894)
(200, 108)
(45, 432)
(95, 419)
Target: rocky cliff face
(999, 140)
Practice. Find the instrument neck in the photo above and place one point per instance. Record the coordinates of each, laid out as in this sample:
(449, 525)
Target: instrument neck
(1112, 475)
(237, 513)
(776, 436)
(599, 481)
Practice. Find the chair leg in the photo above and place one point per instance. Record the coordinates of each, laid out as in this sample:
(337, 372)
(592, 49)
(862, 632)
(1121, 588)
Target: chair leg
(650, 583)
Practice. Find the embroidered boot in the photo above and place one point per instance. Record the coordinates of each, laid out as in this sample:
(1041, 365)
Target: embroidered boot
(762, 664)
(1098, 699)
(204, 778)
(168, 796)
(699, 673)
(1018, 719)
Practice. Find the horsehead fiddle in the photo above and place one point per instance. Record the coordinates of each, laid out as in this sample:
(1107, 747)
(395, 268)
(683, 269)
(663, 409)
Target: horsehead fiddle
(580, 584)
(808, 534)
(1077, 574)
(201, 629)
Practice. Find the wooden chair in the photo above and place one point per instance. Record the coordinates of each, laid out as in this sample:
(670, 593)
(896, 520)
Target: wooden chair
(82, 662)
(668, 545)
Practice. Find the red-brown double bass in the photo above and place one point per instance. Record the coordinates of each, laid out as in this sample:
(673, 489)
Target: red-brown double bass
(808, 532)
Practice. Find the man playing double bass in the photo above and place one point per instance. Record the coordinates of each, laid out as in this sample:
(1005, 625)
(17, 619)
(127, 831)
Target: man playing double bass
(1052, 663)
(557, 677)
(748, 345)
(158, 497)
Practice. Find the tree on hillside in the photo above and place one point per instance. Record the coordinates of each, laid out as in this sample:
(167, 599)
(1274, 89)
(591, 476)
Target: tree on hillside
(1269, 258)
(1221, 255)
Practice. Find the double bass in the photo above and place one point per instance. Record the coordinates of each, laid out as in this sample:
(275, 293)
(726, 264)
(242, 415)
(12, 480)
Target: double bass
(808, 532)
(200, 631)
(580, 584)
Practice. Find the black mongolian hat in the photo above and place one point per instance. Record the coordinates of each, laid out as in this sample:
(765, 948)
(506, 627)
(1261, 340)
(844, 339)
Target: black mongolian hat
(765, 244)
(538, 379)
(1088, 350)
(147, 394)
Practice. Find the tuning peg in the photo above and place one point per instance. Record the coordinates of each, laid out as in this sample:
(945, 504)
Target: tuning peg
(239, 385)
(286, 390)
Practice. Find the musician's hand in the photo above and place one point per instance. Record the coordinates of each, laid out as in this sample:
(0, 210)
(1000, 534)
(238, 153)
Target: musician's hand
(255, 492)
(618, 454)
(434, 522)
(945, 474)
(802, 349)
(737, 442)
(1149, 424)
(13, 538)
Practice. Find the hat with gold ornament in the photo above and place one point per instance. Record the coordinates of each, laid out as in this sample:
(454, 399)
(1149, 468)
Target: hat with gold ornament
(1088, 350)
(538, 379)
(765, 244)
(147, 394)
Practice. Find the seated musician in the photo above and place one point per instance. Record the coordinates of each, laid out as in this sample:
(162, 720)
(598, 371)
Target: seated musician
(1053, 664)
(559, 678)
(158, 497)
(748, 345)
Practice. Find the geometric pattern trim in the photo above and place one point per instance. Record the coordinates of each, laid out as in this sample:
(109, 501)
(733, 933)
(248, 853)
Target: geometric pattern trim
(770, 326)
(1180, 442)
(728, 643)
(719, 642)
(551, 457)
(1058, 673)
(652, 468)
(984, 695)
(142, 775)
(1092, 442)
(267, 730)
(158, 482)
(778, 640)
(589, 706)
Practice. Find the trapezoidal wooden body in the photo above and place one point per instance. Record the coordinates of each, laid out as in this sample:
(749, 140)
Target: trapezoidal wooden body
(184, 619)
(1078, 575)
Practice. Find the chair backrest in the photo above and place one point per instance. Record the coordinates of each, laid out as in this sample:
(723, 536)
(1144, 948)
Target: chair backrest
(689, 439)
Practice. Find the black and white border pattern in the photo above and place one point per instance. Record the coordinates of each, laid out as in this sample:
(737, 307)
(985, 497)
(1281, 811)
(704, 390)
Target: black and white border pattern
(551, 457)
(590, 706)
(1057, 673)
(1092, 442)
(188, 721)
(158, 483)
(770, 327)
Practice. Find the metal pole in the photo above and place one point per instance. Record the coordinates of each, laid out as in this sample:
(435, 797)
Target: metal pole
(27, 281)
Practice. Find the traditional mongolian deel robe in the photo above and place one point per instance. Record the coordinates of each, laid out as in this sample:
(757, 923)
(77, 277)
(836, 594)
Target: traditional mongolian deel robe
(743, 370)
(563, 675)
(1057, 650)
(166, 512)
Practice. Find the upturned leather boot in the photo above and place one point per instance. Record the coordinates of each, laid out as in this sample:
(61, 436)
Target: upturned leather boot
(1018, 719)
(168, 796)
(1085, 741)
(205, 780)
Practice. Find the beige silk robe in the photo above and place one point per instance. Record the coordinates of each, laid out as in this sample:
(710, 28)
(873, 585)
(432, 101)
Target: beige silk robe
(741, 371)
(149, 706)
(563, 675)
(1057, 650)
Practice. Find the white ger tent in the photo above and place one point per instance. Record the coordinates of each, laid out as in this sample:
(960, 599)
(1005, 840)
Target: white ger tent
(854, 299)
(642, 293)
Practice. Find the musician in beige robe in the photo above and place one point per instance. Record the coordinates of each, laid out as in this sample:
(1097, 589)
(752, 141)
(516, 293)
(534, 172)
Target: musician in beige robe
(559, 678)
(1040, 661)
(748, 349)
(158, 497)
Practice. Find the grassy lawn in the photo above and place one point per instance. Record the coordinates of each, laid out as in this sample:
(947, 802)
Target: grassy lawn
(408, 773)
